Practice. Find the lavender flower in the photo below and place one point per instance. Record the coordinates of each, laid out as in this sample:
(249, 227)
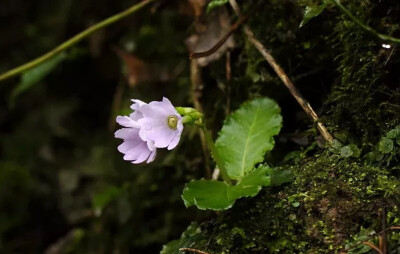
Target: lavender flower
(150, 126)
(161, 123)
(133, 147)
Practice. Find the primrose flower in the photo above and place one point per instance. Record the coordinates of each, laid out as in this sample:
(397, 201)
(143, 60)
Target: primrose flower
(161, 123)
(150, 126)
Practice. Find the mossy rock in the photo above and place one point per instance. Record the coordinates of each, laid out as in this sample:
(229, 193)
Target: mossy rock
(331, 199)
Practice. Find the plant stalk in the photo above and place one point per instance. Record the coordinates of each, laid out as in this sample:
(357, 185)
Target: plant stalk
(72, 41)
(215, 154)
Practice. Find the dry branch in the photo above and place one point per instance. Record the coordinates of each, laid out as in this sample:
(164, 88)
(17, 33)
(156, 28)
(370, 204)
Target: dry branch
(282, 75)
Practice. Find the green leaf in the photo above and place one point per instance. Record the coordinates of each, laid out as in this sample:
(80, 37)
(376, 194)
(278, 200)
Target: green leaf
(312, 12)
(374, 155)
(278, 176)
(296, 204)
(247, 135)
(251, 184)
(35, 75)
(346, 152)
(216, 3)
(356, 150)
(206, 194)
(394, 133)
(350, 150)
(215, 195)
(171, 248)
(385, 145)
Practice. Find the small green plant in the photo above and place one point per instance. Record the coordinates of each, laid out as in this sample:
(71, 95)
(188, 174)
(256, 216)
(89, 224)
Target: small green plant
(242, 143)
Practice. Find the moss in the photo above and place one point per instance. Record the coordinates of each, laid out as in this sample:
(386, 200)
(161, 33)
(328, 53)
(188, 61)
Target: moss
(329, 201)
(364, 101)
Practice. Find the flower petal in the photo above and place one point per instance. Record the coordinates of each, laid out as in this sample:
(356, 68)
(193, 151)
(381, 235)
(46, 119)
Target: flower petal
(160, 135)
(154, 110)
(177, 137)
(148, 126)
(152, 156)
(136, 106)
(138, 153)
(150, 145)
(174, 141)
(127, 122)
(133, 147)
(141, 153)
(168, 106)
(127, 133)
(137, 103)
(126, 146)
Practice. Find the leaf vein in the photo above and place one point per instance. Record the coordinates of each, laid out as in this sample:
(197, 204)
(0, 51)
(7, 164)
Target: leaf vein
(247, 140)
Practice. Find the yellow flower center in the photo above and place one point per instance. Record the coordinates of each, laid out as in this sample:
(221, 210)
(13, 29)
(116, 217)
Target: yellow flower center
(172, 122)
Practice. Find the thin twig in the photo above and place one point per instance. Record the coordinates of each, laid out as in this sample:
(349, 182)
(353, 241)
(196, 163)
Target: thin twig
(365, 27)
(228, 67)
(373, 246)
(235, 7)
(288, 83)
(285, 79)
(228, 85)
(193, 250)
(72, 41)
(221, 42)
(390, 55)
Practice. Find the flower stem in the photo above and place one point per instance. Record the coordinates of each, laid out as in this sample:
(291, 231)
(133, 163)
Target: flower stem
(72, 41)
(215, 154)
